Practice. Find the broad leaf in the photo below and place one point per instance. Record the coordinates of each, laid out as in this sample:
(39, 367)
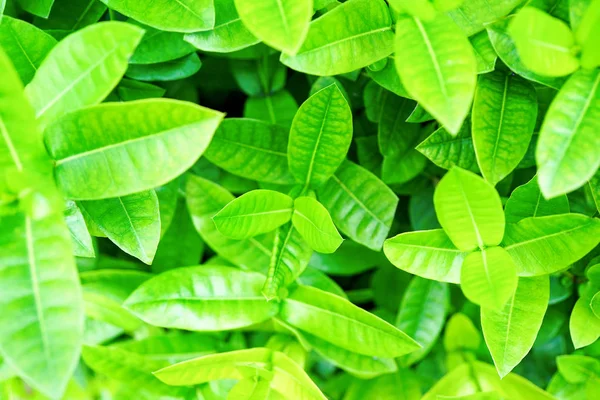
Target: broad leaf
(173, 347)
(545, 44)
(337, 44)
(564, 154)
(132, 222)
(527, 201)
(37, 7)
(80, 236)
(159, 46)
(360, 204)
(587, 35)
(25, 45)
(314, 223)
(469, 210)
(41, 324)
(541, 246)
(504, 116)
(229, 33)
(289, 259)
(256, 212)
(446, 150)
(473, 16)
(511, 331)
(169, 15)
(278, 108)
(72, 14)
(320, 137)
(123, 148)
(577, 368)
(422, 314)
(204, 298)
(172, 70)
(251, 149)
(351, 328)
(68, 79)
(282, 24)
(484, 52)
(428, 254)
(204, 200)
(489, 277)
(441, 74)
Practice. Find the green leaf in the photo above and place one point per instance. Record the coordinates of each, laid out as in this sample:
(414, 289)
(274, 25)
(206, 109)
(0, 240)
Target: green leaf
(289, 259)
(584, 325)
(132, 369)
(587, 36)
(484, 52)
(441, 74)
(68, 80)
(577, 368)
(595, 304)
(504, 116)
(527, 201)
(461, 334)
(360, 204)
(173, 70)
(473, 16)
(388, 78)
(469, 210)
(159, 46)
(423, 9)
(351, 328)
(40, 8)
(229, 33)
(123, 148)
(511, 331)
(545, 44)
(278, 108)
(446, 150)
(343, 40)
(489, 277)
(204, 200)
(254, 388)
(25, 45)
(169, 15)
(594, 186)
(282, 24)
(320, 137)
(41, 324)
(505, 47)
(254, 213)
(251, 149)
(72, 15)
(428, 254)
(422, 314)
(131, 222)
(350, 258)
(172, 348)
(564, 153)
(80, 236)
(313, 222)
(204, 298)
(543, 245)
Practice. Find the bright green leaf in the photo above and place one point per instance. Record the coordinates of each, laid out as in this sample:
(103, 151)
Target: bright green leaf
(314, 223)
(527, 201)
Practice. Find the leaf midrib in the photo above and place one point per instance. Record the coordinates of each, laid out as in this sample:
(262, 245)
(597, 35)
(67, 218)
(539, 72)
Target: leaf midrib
(434, 60)
(518, 244)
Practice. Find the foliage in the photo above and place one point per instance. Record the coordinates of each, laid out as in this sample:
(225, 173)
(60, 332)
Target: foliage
(299, 199)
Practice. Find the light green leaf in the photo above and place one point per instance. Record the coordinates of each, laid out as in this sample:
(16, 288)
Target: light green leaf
(204, 200)
(320, 137)
(469, 209)
(282, 24)
(565, 152)
(401, 385)
(388, 78)
(504, 116)
(511, 331)
(442, 71)
(167, 203)
(313, 222)
(461, 334)
(68, 80)
(254, 213)
(588, 34)
(252, 149)
(25, 45)
(545, 44)
(350, 258)
(313, 277)
(172, 348)
(159, 46)
(595, 304)
(40, 8)
(289, 259)
(428, 254)
(229, 33)
(169, 15)
(489, 277)
(543, 245)
(252, 388)
(484, 52)
(204, 298)
(132, 369)
(594, 186)
(80, 236)
(423, 9)
(131, 222)
(336, 44)
(527, 201)
(422, 314)
(361, 205)
(577, 368)
(446, 150)
(473, 15)
(350, 327)
(123, 148)
(505, 47)
(41, 323)
(173, 70)
(584, 325)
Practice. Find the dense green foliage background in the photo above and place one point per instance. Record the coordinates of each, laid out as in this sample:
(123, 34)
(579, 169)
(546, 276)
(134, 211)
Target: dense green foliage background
(299, 199)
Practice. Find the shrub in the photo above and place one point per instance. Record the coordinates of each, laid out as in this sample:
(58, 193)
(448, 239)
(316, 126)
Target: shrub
(393, 182)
